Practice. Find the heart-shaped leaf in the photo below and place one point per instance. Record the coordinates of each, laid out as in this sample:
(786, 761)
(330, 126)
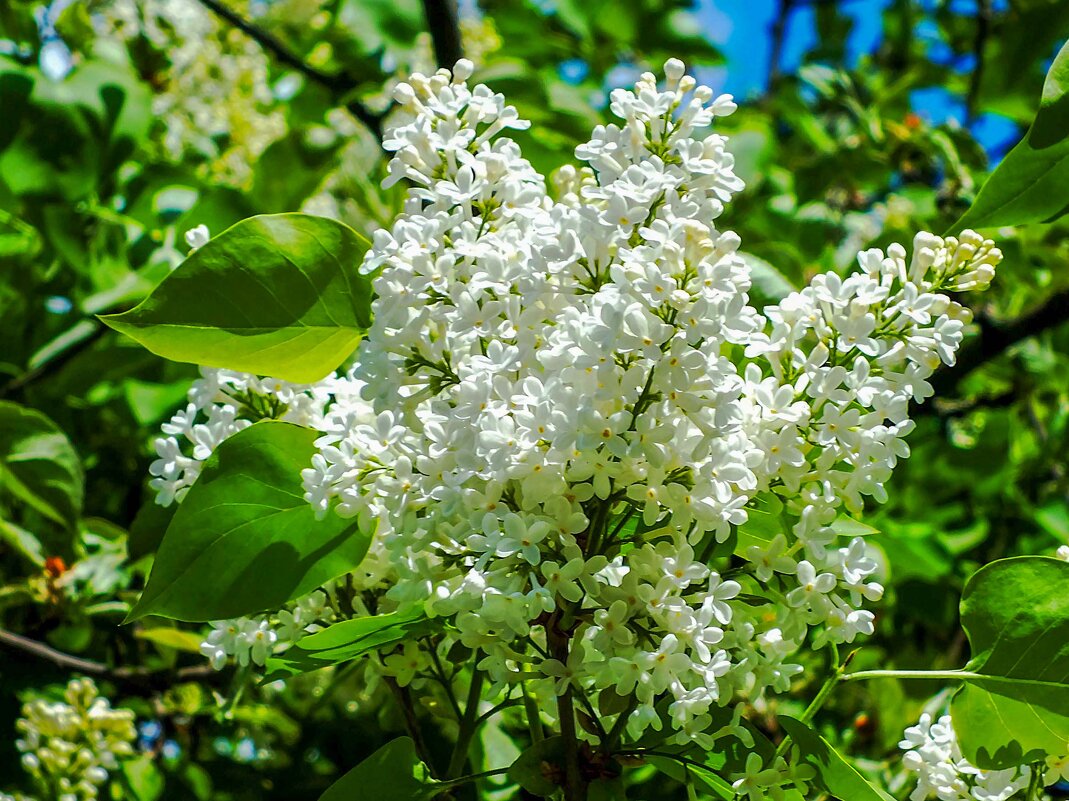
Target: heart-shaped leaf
(244, 538)
(1014, 706)
(275, 295)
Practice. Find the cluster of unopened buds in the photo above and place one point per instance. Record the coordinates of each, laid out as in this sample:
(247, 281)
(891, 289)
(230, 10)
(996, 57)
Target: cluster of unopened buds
(580, 444)
(71, 748)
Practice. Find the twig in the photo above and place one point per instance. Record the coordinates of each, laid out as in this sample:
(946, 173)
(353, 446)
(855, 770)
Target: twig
(778, 35)
(995, 338)
(339, 85)
(443, 21)
(138, 678)
(404, 700)
(983, 29)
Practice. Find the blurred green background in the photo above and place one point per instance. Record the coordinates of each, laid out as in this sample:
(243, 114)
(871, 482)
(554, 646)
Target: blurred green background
(127, 122)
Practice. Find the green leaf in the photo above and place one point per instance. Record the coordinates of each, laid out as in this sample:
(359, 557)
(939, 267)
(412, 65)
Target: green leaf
(532, 768)
(1029, 186)
(846, 526)
(1014, 706)
(764, 522)
(141, 778)
(348, 640)
(276, 295)
(177, 639)
(834, 774)
(393, 773)
(38, 464)
(23, 542)
(769, 284)
(702, 777)
(244, 539)
(148, 527)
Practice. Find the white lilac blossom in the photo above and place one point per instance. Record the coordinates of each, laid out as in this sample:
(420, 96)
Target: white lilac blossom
(219, 404)
(931, 752)
(70, 749)
(566, 410)
(254, 639)
(214, 99)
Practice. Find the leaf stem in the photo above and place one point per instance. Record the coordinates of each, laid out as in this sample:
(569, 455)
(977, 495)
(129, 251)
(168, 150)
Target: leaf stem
(953, 675)
(1035, 784)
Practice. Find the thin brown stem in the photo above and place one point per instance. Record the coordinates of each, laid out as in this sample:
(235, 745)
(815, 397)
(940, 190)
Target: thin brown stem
(408, 711)
(339, 85)
(983, 29)
(139, 678)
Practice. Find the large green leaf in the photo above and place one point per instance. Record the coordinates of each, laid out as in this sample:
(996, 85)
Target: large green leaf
(833, 773)
(393, 773)
(38, 464)
(348, 640)
(244, 538)
(1030, 185)
(274, 295)
(1014, 706)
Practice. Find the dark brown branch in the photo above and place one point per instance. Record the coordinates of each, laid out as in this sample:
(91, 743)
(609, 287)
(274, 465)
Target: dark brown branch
(778, 36)
(995, 338)
(443, 21)
(339, 85)
(403, 696)
(983, 30)
(138, 678)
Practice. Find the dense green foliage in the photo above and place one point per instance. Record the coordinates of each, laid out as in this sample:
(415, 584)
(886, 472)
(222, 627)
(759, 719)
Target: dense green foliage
(102, 173)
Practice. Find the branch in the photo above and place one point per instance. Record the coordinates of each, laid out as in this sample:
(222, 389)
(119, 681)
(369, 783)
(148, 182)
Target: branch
(995, 338)
(403, 696)
(339, 85)
(778, 34)
(138, 678)
(443, 21)
(983, 29)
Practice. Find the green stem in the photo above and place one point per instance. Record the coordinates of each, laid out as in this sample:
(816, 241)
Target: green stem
(621, 723)
(1035, 785)
(838, 674)
(468, 726)
(447, 685)
(558, 642)
(574, 790)
(473, 777)
(953, 675)
(534, 717)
